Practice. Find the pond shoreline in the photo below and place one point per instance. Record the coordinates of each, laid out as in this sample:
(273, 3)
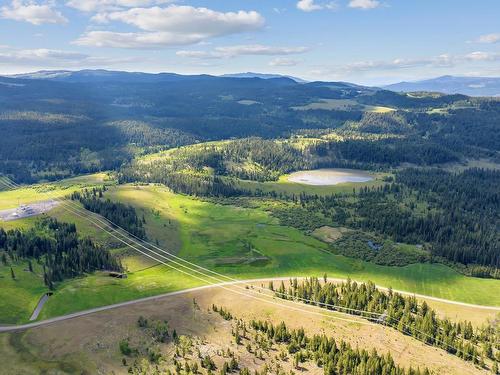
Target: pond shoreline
(329, 176)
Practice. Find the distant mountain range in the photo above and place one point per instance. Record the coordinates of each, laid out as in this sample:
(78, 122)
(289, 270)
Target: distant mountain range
(472, 86)
(100, 75)
(89, 75)
(262, 76)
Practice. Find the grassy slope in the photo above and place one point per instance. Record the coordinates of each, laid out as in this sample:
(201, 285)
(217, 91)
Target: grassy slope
(20, 296)
(211, 231)
(205, 233)
(41, 192)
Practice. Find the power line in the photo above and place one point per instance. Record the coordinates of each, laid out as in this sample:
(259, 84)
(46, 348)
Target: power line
(308, 301)
(221, 285)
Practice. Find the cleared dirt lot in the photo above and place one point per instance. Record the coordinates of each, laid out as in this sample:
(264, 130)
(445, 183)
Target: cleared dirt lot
(91, 342)
(28, 210)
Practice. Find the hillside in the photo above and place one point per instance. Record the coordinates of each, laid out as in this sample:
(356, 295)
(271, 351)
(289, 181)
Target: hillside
(139, 113)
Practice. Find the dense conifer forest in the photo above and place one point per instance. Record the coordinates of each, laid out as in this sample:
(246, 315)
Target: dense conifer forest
(400, 312)
(56, 122)
(124, 216)
(58, 247)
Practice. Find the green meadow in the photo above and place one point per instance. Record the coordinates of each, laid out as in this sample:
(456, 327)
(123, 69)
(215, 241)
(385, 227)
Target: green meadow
(239, 242)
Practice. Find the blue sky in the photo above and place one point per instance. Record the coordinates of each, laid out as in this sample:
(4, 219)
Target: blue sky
(362, 41)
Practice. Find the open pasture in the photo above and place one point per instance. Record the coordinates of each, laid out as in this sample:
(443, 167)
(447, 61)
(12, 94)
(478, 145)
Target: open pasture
(210, 232)
(238, 242)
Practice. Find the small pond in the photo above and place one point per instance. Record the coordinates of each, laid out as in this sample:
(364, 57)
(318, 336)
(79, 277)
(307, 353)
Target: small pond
(329, 176)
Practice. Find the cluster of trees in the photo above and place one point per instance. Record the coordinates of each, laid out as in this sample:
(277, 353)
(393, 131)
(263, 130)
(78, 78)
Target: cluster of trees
(455, 215)
(389, 152)
(334, 357)
(249, 159)
(374, 248)
(185, 183)
(125, 216)
(460, 221)
(158, 329)
(400, 312)
(59, 248)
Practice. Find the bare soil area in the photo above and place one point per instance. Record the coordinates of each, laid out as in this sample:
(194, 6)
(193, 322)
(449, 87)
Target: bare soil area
(91, 343)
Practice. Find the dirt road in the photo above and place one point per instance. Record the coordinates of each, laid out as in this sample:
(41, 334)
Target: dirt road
(21, 327)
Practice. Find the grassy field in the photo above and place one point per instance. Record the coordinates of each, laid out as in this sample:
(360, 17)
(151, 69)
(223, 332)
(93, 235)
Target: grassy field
(19, 296)
(212, 232)
(242, 243)
(41, 192)
(342, 105)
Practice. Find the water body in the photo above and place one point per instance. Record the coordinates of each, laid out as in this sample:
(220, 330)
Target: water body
(329, 176)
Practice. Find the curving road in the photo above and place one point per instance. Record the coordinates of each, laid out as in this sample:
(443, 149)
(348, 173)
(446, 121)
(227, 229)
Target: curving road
(21, 327)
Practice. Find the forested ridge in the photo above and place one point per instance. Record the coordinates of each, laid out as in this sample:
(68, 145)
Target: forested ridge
(58, 247)
(122, 215)
(50, 126)
(400, 312)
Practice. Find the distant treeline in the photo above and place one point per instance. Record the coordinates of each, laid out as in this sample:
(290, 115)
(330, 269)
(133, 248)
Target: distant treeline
(47, 138)
(400, 312)
(58, 247)
(207, 169)
(124, 216)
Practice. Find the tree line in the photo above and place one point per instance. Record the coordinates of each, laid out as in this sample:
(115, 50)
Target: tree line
(400, 312)
(124, 216)
(334, 357)
(58, 248)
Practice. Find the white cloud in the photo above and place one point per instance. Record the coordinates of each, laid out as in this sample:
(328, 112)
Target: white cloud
(283, 61)
(311, 5)
(170, 26)
(482, 56)
(188, 20)
(111, 5)
(308, 5)
(53, 58)
(139, 40)
(489, 38)
(197, 54)
(364, 4)
(443, 60)
(242, 50)
(32, 12)
(390, 66)
(258, 49)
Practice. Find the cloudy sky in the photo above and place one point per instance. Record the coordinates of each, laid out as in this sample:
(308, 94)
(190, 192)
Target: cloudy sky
(362, 41)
